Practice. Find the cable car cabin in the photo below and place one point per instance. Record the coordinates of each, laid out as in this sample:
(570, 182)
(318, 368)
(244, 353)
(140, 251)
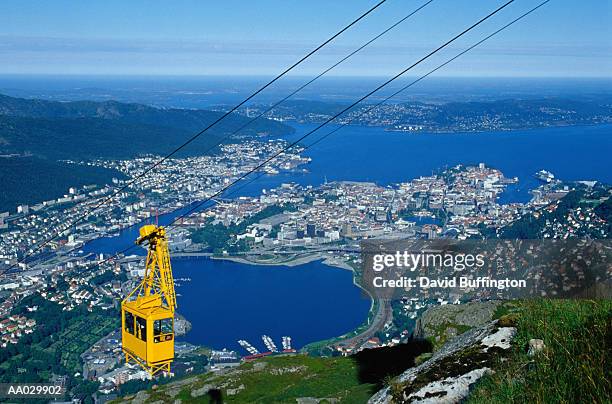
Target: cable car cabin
(147, 323)
(148, 336)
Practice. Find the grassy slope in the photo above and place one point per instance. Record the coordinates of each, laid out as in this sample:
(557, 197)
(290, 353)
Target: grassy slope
(574, 367)
(281, 380)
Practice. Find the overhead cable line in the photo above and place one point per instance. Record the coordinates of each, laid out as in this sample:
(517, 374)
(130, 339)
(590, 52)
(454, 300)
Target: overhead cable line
(296, 142)
(344, 110)
(374, 106)
(324, 72)
(198, 205)
(194, 137)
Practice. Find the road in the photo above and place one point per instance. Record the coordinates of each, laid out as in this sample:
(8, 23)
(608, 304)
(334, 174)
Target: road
(383, 315)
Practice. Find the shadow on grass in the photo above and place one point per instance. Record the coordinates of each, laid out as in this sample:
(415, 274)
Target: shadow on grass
(376, 365)
(214, 396)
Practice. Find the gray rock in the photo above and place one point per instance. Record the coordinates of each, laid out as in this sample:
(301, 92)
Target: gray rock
(470, 314)
(500, 339)
(307, 400)
(535, 346)
(313, 400)
(233, 392)
(455, 366)
(202, 390)
(173, 392)
(141, 397)
(449, 390)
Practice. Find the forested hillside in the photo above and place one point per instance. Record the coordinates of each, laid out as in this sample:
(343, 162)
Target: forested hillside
(36, 134)
(112, 129)
(28, 180)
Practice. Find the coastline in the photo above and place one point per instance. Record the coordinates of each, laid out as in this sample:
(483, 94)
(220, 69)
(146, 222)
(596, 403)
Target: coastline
(296, 260)
(299, 259)
(377, 315)
(433, 131)
(374, 318)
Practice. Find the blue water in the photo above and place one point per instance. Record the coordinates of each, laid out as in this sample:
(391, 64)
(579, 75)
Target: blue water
(372, 154)
(357, 153)
(127, 237)
(420, 221)
(227, 301)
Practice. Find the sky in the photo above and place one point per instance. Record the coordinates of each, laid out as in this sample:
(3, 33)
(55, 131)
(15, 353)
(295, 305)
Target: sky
(565, 38)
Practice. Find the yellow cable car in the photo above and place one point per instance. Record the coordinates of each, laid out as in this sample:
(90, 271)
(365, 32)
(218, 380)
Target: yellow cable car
(147, 313)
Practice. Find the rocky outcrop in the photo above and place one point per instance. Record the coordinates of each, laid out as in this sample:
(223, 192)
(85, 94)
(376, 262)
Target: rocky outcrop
(448, 375)
(450, 389)
(450, 319)
(181, 325)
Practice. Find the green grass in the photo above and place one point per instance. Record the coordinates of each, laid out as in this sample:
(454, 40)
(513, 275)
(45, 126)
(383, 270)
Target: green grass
(573, 368)
(283, 380)
(440, 337)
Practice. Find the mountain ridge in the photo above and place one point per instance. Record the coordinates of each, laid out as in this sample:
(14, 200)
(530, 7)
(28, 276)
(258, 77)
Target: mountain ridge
(146, 125)
(35, 135)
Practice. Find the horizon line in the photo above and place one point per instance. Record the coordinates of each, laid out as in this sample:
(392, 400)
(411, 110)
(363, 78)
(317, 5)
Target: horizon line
(204, 76)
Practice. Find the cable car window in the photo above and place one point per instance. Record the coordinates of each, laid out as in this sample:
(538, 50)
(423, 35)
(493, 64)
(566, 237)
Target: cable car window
(129, 322)
(163, 326)
(141, 328)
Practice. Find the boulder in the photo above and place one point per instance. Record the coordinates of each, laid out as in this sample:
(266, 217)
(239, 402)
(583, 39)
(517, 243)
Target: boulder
(535, 346)
(141, 397)
(448, 375)
(470, 314)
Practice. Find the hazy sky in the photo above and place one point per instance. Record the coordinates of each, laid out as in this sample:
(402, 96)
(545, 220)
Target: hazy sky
(239, 37)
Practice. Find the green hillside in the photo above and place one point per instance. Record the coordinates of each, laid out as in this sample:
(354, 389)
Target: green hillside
(29, 180)
(271, 380)
(91, 138)
(86, 129)
(35, 134)
(187, 119)
(574, 366)
(285, 379)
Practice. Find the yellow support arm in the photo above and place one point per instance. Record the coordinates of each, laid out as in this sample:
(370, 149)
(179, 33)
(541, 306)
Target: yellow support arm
(158, 282)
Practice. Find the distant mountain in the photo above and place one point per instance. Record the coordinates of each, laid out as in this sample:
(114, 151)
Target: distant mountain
(467, 116)
(190, 119)
(36, 134)
(90, 138)
(87, 129)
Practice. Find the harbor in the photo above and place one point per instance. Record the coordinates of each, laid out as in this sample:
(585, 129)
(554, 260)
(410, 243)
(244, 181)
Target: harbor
(271, 348)
(227, 302)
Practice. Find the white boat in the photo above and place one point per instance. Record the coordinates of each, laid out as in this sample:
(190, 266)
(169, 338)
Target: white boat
(269, 343)
(545, 176)
(249, 348)
(287, 343)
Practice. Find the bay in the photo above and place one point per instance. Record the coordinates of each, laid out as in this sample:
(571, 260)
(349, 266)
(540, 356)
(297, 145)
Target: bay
(226, 301)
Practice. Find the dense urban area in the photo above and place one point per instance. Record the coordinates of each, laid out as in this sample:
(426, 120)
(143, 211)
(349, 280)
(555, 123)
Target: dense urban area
(50, 300)
(59, 298)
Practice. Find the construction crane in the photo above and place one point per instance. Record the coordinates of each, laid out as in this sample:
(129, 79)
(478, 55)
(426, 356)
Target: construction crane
(147, 313)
